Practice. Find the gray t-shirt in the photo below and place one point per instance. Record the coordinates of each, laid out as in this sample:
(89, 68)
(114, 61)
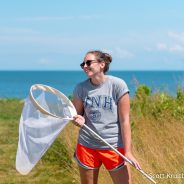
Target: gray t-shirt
(100, 111)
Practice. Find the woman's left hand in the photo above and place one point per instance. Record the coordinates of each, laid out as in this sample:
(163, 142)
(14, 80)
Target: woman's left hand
(134, 161)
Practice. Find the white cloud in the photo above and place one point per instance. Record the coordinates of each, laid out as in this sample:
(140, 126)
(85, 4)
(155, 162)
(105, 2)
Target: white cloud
(162, 46)
(177, 36)
(177, 48)
(45, 18)
(29, 39)
(44, 61)
(149, 49)
(12, 30)
(174, 43)
(119, 53)
(58, 18)
(123, 53)
(108, 51)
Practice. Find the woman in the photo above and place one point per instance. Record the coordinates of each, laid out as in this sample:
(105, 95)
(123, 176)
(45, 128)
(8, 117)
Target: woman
(102, 102)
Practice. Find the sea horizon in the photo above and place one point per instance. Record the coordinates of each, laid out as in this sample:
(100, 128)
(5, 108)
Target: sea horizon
(32, 70)
(16, 83)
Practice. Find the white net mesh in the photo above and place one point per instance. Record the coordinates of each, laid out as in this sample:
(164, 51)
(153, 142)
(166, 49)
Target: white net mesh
(38, 131)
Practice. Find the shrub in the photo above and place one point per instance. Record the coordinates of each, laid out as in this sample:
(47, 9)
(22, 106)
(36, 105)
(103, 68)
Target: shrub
(143, 91)
(180, 96)
(142, 100)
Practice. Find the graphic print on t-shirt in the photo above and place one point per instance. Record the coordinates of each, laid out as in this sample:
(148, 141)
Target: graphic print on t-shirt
(94, 115)
(95, 104)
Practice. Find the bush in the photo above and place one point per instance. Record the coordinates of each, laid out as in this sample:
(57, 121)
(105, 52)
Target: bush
(141, 101)
(159, 105)
(180, 96)
(143, 91)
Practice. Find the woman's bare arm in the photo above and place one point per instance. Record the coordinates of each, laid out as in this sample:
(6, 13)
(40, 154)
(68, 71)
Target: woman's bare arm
(124, 116)
(78, 119)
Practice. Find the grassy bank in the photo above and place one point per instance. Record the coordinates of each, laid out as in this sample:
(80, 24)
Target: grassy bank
(55, 166)
(157, 122)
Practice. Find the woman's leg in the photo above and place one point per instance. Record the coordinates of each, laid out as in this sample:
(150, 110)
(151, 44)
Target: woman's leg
(88, 176)
(121, 176)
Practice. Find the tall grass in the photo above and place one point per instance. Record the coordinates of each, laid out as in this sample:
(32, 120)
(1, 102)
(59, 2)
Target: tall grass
(157, 122)
(157, 133)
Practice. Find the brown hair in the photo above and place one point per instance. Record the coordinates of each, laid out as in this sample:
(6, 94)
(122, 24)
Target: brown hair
(102, 56)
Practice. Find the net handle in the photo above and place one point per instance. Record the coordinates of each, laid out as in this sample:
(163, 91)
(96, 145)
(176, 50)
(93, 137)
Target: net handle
(53, 91)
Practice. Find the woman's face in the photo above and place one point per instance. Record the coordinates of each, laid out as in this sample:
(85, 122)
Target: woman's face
(91, 66)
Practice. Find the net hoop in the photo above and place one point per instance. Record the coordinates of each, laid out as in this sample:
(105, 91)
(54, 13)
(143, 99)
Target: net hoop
(53, 91)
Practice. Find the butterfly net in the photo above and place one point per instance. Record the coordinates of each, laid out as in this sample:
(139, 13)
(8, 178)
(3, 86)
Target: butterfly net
(38, 130)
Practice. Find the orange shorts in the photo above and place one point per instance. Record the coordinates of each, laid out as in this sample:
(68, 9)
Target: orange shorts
(93, 158)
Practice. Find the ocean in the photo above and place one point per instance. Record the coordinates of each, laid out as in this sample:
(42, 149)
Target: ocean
(16, 84)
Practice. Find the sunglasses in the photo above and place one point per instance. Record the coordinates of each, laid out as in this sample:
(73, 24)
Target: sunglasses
(88, 63)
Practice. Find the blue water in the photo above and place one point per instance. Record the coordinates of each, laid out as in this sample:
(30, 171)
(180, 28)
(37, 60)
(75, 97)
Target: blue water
(16, 84)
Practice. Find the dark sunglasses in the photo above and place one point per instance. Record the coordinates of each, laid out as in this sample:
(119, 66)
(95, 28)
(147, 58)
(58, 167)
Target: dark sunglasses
(88, 63)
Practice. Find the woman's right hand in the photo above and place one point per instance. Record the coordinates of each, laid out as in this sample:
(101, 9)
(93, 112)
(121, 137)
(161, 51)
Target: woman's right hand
(78, 120)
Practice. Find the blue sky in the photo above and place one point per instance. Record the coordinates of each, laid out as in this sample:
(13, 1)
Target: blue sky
(55, 35)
